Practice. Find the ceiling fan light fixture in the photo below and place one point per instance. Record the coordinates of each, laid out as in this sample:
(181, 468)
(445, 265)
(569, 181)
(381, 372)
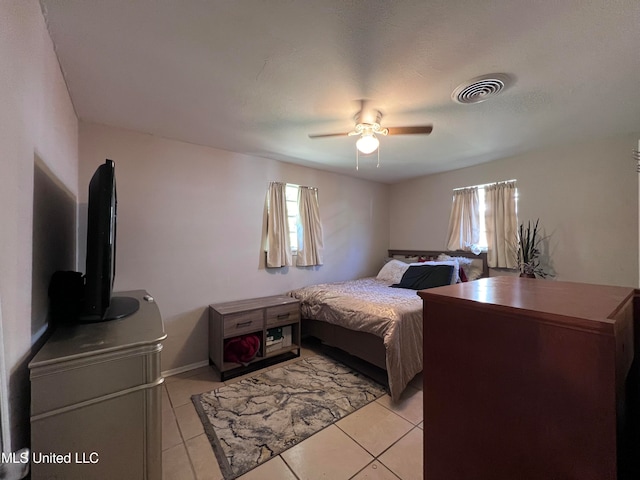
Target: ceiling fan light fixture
(367, 143)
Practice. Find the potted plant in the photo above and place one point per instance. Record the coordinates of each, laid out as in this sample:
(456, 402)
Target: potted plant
(528, 253)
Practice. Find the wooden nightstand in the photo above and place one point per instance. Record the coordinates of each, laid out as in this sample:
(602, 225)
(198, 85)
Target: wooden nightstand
(256, 315)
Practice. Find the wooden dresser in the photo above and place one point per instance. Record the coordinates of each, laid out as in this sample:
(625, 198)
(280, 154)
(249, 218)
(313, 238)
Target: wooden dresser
(526, 379)
(257, 316)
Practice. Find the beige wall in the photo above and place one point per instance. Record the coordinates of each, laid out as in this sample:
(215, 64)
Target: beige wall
(191, 218)
(38, 190)
(586, 196)
(191, 223)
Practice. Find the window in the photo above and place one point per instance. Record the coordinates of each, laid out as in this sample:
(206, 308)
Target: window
(482, 226)
(292, 216)
(484, 217)
(293, 210)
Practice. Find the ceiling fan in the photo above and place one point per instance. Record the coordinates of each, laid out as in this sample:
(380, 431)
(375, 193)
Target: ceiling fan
(368, 126)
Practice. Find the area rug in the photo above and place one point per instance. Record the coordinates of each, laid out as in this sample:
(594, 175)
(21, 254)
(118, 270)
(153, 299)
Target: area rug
(257, 418)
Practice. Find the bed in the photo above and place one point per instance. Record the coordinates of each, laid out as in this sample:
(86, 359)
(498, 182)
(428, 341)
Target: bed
(381, 325)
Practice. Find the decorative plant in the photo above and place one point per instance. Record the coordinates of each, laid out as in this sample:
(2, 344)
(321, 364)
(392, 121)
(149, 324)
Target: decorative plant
(528, 253)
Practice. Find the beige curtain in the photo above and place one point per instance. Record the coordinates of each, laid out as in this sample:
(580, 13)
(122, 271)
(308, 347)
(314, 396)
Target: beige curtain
(278, 244)
(464, 222)
(310, 243)
(501, 223)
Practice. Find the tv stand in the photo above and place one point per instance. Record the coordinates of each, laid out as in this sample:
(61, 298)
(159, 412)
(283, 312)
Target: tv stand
(96, 398)
(121, 307)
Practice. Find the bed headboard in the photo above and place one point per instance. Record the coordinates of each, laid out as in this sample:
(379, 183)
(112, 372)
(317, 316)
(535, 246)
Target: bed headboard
(433, 255)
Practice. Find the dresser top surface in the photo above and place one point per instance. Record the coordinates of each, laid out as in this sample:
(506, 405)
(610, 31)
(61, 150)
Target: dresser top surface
(69, 342)
(564, 299)
(236, 306)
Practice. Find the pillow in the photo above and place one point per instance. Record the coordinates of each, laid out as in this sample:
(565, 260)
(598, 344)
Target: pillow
(472, 267)
(452, 263)
(475, 270)
(392, 271)
(419, 277)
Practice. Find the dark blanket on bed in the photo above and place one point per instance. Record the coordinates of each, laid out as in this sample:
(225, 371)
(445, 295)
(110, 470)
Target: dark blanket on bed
(419, 277)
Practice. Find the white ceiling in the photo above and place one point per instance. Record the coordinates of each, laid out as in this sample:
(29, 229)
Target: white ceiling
(257, 76)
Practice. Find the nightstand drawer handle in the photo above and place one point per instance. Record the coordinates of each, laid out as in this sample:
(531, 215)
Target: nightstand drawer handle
(244, 324)
(282, 316)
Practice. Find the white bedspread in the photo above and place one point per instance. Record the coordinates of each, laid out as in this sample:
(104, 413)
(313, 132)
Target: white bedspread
(370, 305)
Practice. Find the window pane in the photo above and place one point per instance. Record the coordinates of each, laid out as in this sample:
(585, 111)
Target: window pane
(292, 225)
(292, 211)
(292, 193)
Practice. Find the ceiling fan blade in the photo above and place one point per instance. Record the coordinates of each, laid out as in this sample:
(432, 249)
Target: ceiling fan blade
(424, 129)
(329, 135)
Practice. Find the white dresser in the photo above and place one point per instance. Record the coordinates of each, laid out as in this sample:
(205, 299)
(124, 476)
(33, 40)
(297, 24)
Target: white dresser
(96, 399)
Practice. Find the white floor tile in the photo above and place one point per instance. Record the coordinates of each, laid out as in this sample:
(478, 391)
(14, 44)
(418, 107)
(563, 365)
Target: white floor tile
(329, 454)
(410, 405)
(273, 469)
(374, 427)
(176, 464)
(405, 458)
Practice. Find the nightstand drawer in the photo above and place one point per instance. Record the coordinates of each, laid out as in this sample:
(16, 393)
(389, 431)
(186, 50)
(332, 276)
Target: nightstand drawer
(283, 313)
(243, 322)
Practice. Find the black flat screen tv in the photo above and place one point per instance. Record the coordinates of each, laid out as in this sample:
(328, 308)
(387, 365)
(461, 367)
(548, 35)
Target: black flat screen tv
(98, 302)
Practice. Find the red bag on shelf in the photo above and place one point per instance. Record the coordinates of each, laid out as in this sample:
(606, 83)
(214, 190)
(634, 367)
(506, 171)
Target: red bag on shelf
(241, 349)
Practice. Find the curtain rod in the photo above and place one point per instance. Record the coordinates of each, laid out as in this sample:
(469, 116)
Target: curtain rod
(295, 185)
(485, 184)
(302, 186)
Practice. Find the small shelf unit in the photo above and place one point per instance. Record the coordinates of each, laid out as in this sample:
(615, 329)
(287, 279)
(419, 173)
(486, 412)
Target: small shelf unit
(255, 315)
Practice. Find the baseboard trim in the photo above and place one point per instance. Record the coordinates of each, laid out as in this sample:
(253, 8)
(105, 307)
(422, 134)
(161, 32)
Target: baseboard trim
(186, 368)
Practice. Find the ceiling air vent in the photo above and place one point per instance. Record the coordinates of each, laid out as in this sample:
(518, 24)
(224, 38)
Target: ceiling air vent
(481, 88)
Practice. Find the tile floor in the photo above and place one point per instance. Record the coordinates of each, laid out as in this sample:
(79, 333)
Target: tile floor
(380, 441)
